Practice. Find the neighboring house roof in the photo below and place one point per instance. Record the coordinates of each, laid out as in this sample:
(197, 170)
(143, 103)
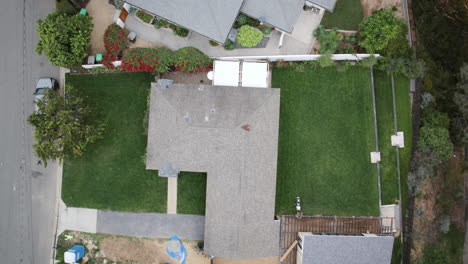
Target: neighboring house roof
(232, 134)
(326, 4)
(281, 14)
(330, 249)
(211, 18)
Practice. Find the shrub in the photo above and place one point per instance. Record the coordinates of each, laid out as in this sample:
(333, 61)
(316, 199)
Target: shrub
(229, 45)
(242, 20)
(369, 61)
(328, 39)
(115, 39)
(179, 31)
(326, 60)
(161, 23)
(213, 43)
(145, 17)
(379, 29)
(249, 36)
(436, 139)
(190, 59)
(426, 99)
(266, 31)
(434, 118)
(147, 60)
(66, 7)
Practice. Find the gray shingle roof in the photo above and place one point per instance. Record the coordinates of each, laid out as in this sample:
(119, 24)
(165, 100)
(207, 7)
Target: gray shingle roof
(331, 249)
(199, 128)
(327, 4)
(282, 14)
(211, 18)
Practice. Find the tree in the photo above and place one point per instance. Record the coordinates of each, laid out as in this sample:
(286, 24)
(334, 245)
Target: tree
(63, 125)
(379, 29)
(249, 36)
(64, 39)
(460, 123)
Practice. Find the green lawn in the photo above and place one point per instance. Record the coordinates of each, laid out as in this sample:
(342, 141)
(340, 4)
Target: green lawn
(191, 193)
(347, 15)
(385, 121)
(111, 175)
(326, 135)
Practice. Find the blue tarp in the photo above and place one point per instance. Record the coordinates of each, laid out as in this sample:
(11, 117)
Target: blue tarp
(179, 252)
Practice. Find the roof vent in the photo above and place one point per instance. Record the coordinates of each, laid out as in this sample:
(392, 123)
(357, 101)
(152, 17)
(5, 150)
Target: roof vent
(188, 119)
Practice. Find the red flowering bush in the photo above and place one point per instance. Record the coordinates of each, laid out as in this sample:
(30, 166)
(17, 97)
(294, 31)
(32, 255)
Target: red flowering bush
(115, 39)
(190, 59)
(147, 60)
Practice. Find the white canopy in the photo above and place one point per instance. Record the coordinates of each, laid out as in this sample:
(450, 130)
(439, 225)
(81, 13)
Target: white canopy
(226, 73)
(255, 74)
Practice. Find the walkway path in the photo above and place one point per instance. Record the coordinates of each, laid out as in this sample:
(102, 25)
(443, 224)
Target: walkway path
(172, 195)
(131, 224)
(300, 44)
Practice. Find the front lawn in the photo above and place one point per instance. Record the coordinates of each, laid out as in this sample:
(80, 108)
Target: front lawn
(326, 135)
(347, 15)
(111, 175)
(191, 193)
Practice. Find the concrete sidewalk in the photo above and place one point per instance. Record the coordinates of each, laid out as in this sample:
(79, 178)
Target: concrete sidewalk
(131, 224)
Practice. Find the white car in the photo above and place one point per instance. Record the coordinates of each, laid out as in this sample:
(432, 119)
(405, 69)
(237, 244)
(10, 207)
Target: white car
(42, 86)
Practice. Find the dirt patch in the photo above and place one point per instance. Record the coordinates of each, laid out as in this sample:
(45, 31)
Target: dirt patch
(443, 191)
(188, 78)
(141, 43)
(103, 248)
(102, 13)
(369, 6)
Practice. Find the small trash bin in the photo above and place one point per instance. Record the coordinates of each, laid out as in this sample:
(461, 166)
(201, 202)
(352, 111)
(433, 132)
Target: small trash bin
(83, 12)
(91, 60)
(74, 254)
(132, 37)
(98, 57)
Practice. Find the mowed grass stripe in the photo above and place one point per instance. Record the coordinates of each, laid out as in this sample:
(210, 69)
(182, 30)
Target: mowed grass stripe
(326, 135)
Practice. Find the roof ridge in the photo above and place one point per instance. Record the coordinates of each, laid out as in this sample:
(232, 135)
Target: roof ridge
(267, 100)
(182, 134)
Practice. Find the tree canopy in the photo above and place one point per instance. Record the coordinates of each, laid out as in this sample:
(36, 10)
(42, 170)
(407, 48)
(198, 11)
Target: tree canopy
(64, 39)
(379, 29)
(63, 125)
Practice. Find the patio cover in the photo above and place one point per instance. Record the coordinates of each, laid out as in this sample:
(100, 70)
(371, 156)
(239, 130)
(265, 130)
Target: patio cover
(226, 73)
(255, 74)
(211, 18)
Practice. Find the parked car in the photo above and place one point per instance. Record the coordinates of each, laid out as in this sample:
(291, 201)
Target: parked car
(43, 85)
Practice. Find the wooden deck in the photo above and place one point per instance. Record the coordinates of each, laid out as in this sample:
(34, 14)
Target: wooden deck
(291, 226)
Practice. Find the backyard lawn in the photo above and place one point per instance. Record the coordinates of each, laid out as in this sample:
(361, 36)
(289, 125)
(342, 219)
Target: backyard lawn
(111, 175)
(385, 125)
(347, 15)
(326, 135)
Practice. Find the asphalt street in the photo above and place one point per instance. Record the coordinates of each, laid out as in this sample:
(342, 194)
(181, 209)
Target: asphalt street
(27, 190)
